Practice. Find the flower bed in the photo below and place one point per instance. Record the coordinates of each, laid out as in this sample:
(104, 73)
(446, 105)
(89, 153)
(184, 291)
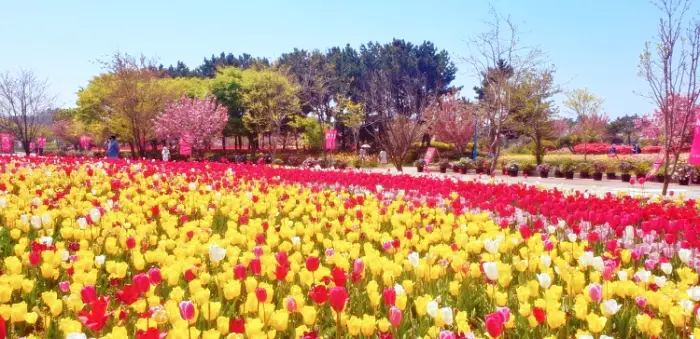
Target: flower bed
(148, 249)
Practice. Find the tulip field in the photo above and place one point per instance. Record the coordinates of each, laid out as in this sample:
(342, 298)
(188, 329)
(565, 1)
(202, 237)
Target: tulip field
(146, 249)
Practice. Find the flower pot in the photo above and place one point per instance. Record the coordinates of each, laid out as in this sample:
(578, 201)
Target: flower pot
(479, 171)
(696, 180)
(463, 170)
(584, 175)
(558, 174)
(611, 176)
(659, 178)
(684, 182)
(527, 173)
(626, 177)
(570, 175)
(456, 169)
(504, 171)
(443, 169)
(513, 173)
(544, 174)
(420, 169)
(597, 176)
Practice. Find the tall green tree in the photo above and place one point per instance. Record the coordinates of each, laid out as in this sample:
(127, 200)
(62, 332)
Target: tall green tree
(269, 98)
(624, 127)
(227, 87)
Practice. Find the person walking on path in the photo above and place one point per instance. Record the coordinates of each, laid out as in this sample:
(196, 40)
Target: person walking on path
(113, 148)
(363, 153)
(166, 153)
(382, 157)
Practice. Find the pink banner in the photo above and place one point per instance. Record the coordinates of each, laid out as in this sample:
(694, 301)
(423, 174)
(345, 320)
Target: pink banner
(330, 138)
(429, 154)
(41, 141)
(657, 164)
(185, 147)
(694, 158)
(85, 141)
(6, 141)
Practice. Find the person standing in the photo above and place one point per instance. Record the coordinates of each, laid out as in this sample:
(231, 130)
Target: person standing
(363, 153)
(113, 148)
(166, 153)
(382, 157)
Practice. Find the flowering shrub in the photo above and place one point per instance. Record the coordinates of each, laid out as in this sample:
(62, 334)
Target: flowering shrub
(601, 148)
(125, 249)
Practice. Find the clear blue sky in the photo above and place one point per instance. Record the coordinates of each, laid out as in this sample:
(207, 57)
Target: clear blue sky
(593, 43)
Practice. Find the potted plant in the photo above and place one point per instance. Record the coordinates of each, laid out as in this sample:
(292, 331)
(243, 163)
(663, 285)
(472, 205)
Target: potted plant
(568, 167)
(543, 170)
(339, 164)
(641, 169)
(696, 175)
(513, 168)
(464, 164)
(599, 168)
(444, 165)
(420, 165)
(584, 170)
(625, 168)
(683, 173)
(660, 174)
(558, 172)
(611, 174)
(486, 166)
(356, 163)
(504, 167)
(527, 168)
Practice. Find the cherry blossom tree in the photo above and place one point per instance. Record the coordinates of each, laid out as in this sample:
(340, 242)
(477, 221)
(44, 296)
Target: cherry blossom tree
(651, 126)
(198, 120)
(453, 120)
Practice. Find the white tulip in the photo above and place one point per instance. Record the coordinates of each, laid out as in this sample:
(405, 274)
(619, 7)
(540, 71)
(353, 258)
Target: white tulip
(611, 306)
(545, 280)
(684, 255)
(414, 259)
(399, 289)
(660, 281)
(296, 240)
(36, 222)
(572, 237)
(3, 202)
(65, 255)
(99, 260)
(622, 275)
(491, 270)
(586, 259)
(432, 309)
(46, 219)
(491, 246)
(598, 264)
(546, 261)
(643, 275)
(603, 336)
(447, 315)
(687, 304)
(46, 240)
(667, 268)
(694, 293)
(76, 336)
(82, 222)
(216, 253)
(584, 336)
(95, 215)
(24, 219)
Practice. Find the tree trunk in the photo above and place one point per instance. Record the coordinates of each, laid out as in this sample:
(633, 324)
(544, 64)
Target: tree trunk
(133, 149)
(538, 151)
(223, 143)
(25, 146)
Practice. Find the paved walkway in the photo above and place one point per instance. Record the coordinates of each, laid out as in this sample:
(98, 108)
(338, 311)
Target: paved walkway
(613, 186)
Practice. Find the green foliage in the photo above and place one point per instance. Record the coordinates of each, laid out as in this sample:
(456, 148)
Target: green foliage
(312, 131)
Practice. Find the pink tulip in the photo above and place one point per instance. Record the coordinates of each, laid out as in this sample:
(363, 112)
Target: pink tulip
(186, 310)
(641, 302)
(358, 265)
(142, 283)
(330, 252)
(291, 305)
(395, 316)
(505, 313)
(258, 251)
(154, 276)
(64, 286)
(447, 335)
(88, 294)
(595, 291)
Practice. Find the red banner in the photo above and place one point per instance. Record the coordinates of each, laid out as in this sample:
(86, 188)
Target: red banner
(185, 147)
(330, 138)
(694, 158)
(6, 140)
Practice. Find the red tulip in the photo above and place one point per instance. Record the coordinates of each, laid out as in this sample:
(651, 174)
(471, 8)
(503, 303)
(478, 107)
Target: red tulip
(312, 263)
(130, 243)
(154, 276)
(281, 272)
(525, 231)
(128, 294)
(261, 294)
(338, 296)
(236, 325)
(96, 319)
(3, 328)
(339, 276)
(313, 334)
(395, 316)
(189, 275)
(141, 282)
(151, 333)
(88, 294)
(389, 296)
(494, 324)
(186, 310)
(239, 272)
(318, 293)
(642, 180)
(540, 314)
(282, 259)
(255, 266)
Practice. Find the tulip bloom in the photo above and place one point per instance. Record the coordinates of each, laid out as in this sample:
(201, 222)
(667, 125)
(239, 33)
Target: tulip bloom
(337, 297)
(88, 294)
(494, 324)
(395, 316)
(312, 263)
(186, 310)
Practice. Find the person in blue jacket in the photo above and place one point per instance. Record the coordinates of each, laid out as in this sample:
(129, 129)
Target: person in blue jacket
(113, 148)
